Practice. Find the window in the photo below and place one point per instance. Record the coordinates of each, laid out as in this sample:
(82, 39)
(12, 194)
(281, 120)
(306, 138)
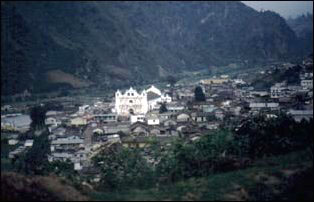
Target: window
(130, 101)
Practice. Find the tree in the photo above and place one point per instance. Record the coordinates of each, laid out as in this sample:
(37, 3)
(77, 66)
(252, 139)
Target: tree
(163, 108)
(260, 136)
(172, 80)
(35, 160)
(38, 116)
(199, 95)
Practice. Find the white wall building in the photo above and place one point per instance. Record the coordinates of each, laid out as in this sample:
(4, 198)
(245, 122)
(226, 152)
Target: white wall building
(307, 83)
(82, 109)
(277, 90)
(137, 118)
(152, 119)
(132, 102)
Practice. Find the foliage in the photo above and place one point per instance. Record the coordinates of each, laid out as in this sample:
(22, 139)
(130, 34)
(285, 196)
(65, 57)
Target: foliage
(6, 148)
(35, 160)
(163, 108)
(261, 136)
(198, 94)
(229, 186)
(197, 158)
(123, 168)
(172, 80)
(38, 116)
(218, 151)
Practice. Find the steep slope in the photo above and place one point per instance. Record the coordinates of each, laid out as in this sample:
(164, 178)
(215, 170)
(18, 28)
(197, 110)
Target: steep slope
(122, 43)
(303, 27)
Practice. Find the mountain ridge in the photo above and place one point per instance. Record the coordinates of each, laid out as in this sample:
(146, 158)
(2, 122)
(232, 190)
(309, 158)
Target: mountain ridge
(125, 43)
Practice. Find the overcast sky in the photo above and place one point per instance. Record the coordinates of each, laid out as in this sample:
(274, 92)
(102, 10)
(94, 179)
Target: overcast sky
(283, 8)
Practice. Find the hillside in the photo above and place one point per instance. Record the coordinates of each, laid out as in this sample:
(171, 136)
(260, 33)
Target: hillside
(58, 76)
(121, 43)
(303, 27)
(17, 187)
(286, 177)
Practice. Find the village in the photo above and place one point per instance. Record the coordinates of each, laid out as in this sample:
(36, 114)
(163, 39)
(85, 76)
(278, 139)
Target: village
(133, 117)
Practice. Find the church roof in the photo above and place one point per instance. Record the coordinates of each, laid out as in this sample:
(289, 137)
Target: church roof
(152, 96)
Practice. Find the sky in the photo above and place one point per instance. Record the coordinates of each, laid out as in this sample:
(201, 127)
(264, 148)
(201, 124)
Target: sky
(284, 8)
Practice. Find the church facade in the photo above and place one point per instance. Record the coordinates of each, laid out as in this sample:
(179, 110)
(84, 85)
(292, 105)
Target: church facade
(131, 102)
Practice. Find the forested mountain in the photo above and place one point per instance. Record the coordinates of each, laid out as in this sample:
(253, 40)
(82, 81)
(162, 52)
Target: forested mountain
(303, 28)
(47, 45)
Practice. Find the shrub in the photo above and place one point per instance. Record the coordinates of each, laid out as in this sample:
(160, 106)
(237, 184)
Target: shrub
(260, 136)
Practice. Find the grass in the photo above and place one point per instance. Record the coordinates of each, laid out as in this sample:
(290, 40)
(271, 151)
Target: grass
(265, 175)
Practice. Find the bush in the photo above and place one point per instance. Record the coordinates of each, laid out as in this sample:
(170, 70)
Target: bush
(260, 136)
(123, 168)
(199, 158)
(199, 95)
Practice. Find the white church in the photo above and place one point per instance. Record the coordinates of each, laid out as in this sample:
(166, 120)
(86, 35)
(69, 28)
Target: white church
(132, 102)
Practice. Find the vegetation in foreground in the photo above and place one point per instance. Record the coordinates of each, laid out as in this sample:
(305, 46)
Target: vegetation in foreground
(284, 177)
(263, 159)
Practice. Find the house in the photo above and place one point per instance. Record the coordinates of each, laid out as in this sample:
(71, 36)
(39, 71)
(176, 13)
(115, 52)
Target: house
(152, 119)
(17, 151)
(165, 116)
(83, 109)
(214, 81)
(139, 128)
(156, 131)
(170, 123)
(183, 117)
(78, 166)
(199, 116)
(13, 141)
(78, 121)
(298, 115)
(59, 156)
(28, 143)
(212, 125)
(272, 105)
(114, 128)
(74, 157)
(258, 93)
(110, 117)
(259, 106)
(169, 131)
(58, 131)
(189, 130)
(307, 83)
(238, 81)
(175, 107)
(53, 113)
(51, 121)
(137, 118)
(72, 143)
(6, 108)
(114, 138)
(278, 90)
(136, 142)
(98, 131)
(208, 108)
